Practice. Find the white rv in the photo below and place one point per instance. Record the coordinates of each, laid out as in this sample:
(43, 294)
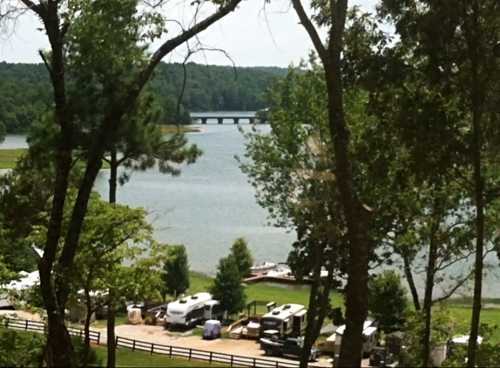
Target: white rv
(190, 310)
(286, 320)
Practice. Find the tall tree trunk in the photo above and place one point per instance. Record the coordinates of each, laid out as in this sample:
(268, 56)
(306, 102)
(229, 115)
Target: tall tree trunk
(429, 286)
(356, 215)
(411, 281)
(312, 313)
(59, 347)
(478, 186)
(86, 328)
(111, 330)
(113, 184)
(113, 175)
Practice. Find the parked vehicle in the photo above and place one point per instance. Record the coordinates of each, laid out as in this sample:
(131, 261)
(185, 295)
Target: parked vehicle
(288, 320)
(190, 310)
(290, 347)
(380, 357)
(211, 329)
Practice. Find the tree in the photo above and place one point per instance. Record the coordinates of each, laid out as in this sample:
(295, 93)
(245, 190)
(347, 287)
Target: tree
(57, 22)
(227, 287)
(243, 257)
(462, 60)
(111, 234)
(356, 214)
(175, 275)
(387, 301)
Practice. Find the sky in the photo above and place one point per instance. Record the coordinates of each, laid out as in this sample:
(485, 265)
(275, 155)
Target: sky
(251, 36)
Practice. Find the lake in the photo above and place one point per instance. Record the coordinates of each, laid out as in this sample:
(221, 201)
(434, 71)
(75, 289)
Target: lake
(211, 203)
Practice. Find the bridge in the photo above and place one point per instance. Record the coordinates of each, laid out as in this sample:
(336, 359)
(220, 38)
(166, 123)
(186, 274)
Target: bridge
(236, 118)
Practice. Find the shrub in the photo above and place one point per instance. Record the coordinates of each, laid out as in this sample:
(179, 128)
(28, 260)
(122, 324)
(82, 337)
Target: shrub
(387, 301)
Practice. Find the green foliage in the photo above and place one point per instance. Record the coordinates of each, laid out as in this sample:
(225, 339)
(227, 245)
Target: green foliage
(19, 349)
(243, 257)
(175, 273)
(26, 94)
(387, 301)
(443, 327)
(227, 287)
(488, 352)
(25, 349)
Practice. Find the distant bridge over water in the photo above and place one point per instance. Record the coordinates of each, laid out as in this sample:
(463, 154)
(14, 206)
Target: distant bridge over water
(226, 118)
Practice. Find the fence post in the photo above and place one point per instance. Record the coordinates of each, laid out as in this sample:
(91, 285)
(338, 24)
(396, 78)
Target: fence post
(133, 345)
(277, 364)
(170, 353)
(7, 323)
(232, 357)
(98, 338)
(190, 352)
(26, 327)
(254, 363)
(152, 348)
(116, 340)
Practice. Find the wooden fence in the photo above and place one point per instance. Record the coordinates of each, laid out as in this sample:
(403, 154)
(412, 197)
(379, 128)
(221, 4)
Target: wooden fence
(40, 327)
(209, 356)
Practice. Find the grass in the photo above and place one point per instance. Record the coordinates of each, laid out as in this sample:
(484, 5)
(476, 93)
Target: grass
(9, 157)
(170, 129)
(128, 358)
(279, 293)
(489, 316)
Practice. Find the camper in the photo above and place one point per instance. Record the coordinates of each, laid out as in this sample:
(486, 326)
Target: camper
(190, 310)
(283, 321)
(370, 338)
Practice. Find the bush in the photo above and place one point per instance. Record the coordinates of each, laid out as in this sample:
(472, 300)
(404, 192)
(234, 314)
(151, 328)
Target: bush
(25, 349)
(19, 349)
(387, 301)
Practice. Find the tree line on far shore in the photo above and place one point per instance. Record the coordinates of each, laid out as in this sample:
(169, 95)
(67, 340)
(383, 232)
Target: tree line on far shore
(26, 93)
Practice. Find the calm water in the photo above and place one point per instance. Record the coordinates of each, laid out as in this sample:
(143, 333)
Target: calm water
(211, 204)
(208, 206)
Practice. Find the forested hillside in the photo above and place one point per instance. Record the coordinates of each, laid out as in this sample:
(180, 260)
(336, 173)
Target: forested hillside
(25, 91)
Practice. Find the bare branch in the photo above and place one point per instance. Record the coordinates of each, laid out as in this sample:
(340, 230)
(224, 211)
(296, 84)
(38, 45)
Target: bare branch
(311, 30)
(185, 36)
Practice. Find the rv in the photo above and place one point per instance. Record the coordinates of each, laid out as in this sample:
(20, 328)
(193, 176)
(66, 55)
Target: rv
(286, 320)
(190, 310)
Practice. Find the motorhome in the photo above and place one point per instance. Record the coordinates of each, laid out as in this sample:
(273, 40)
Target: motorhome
(286, 320)
(193, 309)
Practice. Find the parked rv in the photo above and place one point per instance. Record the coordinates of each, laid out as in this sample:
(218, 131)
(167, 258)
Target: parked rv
(190, 310)
(283, 321)
(370, 338)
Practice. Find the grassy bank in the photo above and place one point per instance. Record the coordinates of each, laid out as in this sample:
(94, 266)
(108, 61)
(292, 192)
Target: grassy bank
(9, 157)
(281, 294)
(171, 129)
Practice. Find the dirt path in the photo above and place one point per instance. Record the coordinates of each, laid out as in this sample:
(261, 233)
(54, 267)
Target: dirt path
(158, 335)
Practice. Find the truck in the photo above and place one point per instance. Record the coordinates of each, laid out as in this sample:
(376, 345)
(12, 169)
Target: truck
(290, 347)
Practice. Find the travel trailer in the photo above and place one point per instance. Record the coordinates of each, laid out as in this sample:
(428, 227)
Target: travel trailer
(286, 320)
(193, 309)
(370, 338)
